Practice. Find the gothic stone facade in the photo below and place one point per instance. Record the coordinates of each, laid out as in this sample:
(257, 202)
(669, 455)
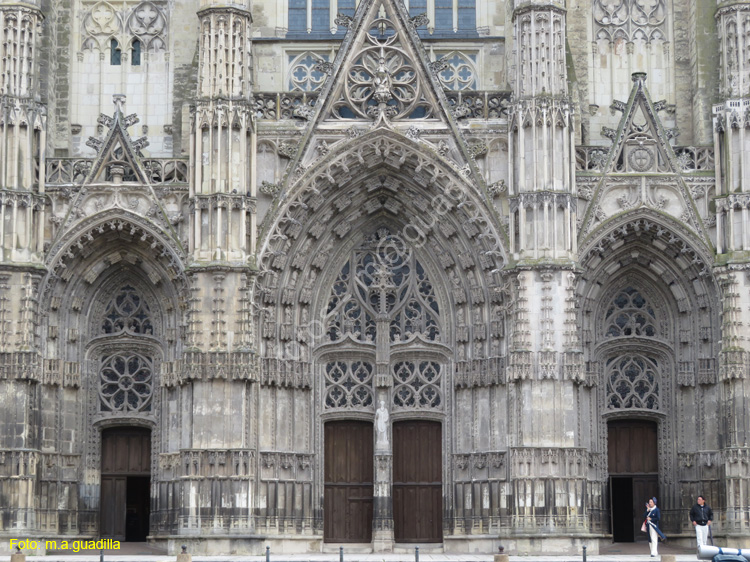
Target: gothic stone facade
(377, 273)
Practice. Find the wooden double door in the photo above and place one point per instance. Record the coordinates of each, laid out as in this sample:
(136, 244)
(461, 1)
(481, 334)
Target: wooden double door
(417, 482)
(633, 475)
(126, 482)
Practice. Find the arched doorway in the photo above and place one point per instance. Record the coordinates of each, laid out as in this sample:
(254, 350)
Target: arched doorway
(126, 482)
(417, 481)
(633, 475)
(348, 482)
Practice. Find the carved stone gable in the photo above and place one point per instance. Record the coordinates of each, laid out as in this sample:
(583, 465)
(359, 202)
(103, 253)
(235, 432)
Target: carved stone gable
(382, 78)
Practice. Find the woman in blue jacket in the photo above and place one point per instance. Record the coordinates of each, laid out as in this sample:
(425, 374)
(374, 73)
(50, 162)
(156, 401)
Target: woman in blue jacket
(652, 516)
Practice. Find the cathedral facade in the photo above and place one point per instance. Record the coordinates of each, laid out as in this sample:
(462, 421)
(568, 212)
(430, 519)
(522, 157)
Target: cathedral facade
(304, 273)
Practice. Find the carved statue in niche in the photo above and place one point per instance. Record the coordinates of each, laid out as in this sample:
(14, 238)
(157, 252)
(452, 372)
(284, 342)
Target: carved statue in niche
(381, 426)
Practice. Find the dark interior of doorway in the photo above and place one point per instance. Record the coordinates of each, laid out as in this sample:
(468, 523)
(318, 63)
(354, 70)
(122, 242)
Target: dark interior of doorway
(622, 519)
(137, 498)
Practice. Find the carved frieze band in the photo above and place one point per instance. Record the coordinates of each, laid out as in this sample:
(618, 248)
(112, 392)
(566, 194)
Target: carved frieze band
(554, 461)
(480, 372)
(276, 465)
(237, 365)
(191, 463)
(490, 465)
(738, 455)
(18, 463)
(288, 373)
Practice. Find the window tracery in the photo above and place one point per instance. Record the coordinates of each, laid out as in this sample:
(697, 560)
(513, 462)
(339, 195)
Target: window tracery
(460, 72)
(382, 279)
(127, 311)
(417, 384)
(382, 77)
(348, 384)
(126, 382)
(630, 314)
(632, 382)
(303, 76)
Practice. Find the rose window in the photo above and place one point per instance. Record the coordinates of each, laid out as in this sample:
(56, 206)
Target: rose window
(383, 77)
(126, 383)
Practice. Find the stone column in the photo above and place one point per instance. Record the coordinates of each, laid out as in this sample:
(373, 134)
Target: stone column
(732, 145)
(22, 142)
(547, 468)
(216, 372)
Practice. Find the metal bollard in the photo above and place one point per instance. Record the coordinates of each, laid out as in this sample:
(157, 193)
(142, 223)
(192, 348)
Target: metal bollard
(268, 554)
(341, 554)
(416, 554)
(584, 553)
(101, 555)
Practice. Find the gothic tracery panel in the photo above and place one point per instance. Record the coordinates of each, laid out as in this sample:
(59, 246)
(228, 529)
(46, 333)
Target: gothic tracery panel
(127, 311)
(630, 314)
(632, 382)
(382, 279)
(303, 74)
(630, 19)
(348, 384)
(417, 384)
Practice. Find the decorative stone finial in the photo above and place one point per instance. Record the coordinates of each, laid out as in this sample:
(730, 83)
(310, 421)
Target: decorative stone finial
(638, 76)
(119, 101)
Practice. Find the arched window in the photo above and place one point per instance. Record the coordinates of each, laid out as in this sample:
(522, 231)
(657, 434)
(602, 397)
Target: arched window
(630, 314)
(135, 53)
(383, 289)
(632, 382)
(126, 363)
(384, 280)
(115, 55)
(127, 311)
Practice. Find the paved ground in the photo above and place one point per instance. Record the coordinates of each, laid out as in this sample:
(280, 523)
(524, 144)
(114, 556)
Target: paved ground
(142, 552)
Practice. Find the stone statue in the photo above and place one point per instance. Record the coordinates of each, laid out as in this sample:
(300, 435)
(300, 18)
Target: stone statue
(382, 83)
(381, 425)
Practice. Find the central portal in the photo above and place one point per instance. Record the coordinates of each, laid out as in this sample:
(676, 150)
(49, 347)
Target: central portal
(348, 482)
(417, 482)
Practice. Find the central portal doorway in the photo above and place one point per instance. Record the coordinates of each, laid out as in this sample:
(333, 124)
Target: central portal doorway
(126, 483)
(633, 475)
(348, 488)
(417, 482)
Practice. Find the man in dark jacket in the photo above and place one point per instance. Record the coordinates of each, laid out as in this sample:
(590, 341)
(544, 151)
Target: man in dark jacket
(701, 515)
